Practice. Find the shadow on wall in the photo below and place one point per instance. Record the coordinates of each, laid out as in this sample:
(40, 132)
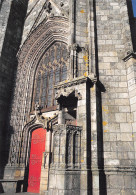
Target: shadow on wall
(8, 60)
(88, 116)
(100, 143)
(1, 4)
(99, 89)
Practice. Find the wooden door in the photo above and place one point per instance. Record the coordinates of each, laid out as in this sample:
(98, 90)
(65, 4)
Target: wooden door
(35, 162)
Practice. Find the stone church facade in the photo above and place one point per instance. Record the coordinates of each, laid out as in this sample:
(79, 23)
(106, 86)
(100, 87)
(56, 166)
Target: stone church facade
(68, 97)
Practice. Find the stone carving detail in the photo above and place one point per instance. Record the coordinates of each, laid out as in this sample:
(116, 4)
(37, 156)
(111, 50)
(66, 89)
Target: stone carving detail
(43, 120)
(14, 148)
(73, 137)
(48, 7)
(20, 139)
(73, 146)
(27, 64)
(66, 146)
(73, 52)
(66, 92)
(60, 8)
(28, 58)
(51, 70)
(73, 82)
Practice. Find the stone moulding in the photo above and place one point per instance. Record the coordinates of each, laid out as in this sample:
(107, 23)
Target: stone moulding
(73, 128)
(66, 128)
(55, 29)
(49, 31)
(129, 55)
(76, 81)
(26, 136)
(40, 119)
(64, 90)
(70, 150)
(36, 121)
(43, 27)
(66, 93)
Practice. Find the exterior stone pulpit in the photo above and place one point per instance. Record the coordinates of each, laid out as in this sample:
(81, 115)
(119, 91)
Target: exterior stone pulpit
(68, 170)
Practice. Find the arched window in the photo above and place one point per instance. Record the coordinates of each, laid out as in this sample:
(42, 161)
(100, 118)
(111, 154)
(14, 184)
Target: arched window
(51, 70)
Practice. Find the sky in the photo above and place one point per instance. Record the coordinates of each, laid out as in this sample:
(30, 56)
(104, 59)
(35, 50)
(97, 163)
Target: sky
(134, 7)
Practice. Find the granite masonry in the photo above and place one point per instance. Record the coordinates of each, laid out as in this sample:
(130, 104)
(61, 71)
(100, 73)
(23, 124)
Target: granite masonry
(68, 67)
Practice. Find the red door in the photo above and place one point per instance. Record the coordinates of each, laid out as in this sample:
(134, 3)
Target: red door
(35, 162)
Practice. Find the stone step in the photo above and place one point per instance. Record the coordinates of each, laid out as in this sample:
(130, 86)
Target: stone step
(21, 193)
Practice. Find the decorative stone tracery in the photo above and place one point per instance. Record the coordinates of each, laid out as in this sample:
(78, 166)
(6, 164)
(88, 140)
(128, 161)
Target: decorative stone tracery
(51, 70)
(73, 147)
(49, 31)
(66, 147)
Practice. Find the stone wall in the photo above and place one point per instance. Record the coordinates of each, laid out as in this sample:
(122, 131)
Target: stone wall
(114, 40)
(99, 38)
(11, 24)
(5, 6)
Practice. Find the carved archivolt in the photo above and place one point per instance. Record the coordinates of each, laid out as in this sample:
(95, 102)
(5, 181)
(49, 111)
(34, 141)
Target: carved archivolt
(49, 31)
(55, 29)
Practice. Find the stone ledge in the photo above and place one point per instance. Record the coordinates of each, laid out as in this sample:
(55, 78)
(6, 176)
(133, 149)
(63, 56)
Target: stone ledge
(10, 185)
(129, 55)
(10, 180)
(76, 81)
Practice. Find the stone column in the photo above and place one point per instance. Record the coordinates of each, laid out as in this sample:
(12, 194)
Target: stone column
(57, 170)
(4, 16)
(72, 13)
(72, 26)
(131, 75)
(61, 119)
(91, 37)
(46, 163)
(94, 144)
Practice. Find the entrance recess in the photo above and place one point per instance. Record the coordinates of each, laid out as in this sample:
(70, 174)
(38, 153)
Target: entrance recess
(35, 162)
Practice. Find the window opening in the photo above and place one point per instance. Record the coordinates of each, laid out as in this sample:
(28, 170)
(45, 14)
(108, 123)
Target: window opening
(51, 70)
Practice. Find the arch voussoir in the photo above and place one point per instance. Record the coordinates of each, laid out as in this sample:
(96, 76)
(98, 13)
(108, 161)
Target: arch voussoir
(50, 31)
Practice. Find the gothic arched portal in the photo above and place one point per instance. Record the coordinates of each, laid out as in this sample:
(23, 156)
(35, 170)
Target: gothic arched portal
(52, 31)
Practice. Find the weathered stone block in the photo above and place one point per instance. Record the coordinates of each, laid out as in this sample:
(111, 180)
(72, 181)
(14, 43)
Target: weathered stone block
(121, 117)
(83, 182)
(111, 162)
(60, 179)
(116, 181)
(126, 127)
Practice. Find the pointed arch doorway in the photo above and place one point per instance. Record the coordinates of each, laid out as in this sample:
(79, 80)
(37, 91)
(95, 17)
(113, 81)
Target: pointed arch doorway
(38, 139)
